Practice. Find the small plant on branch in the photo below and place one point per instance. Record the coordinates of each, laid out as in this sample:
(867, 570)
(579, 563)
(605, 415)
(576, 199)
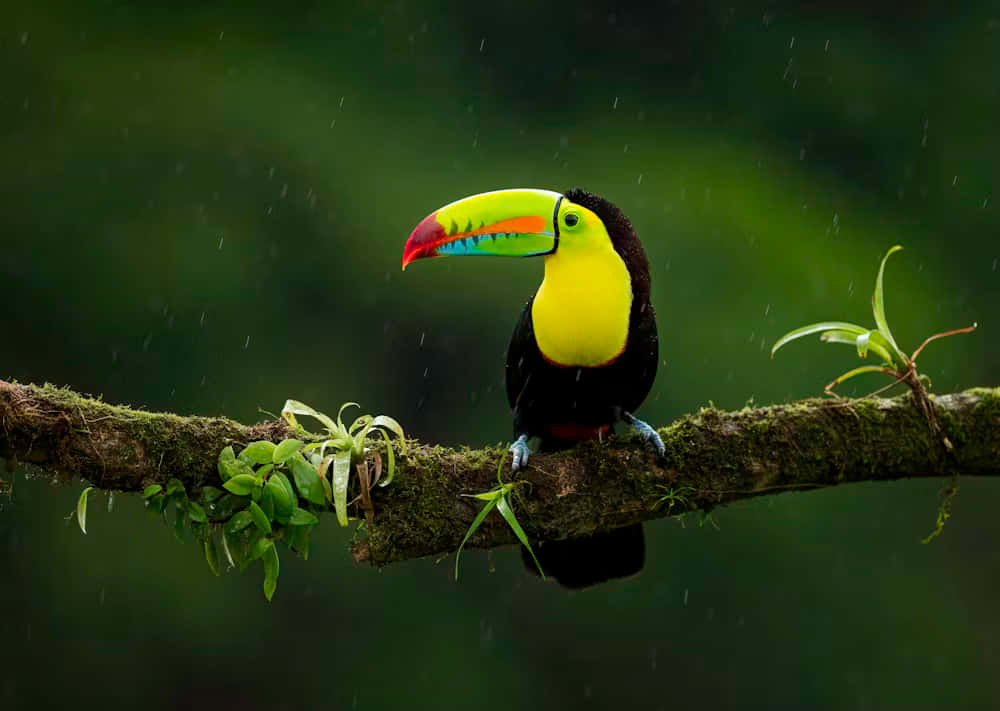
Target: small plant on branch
(878, 340)
(498, 498)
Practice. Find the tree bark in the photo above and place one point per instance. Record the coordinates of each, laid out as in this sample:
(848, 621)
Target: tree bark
(712, 457)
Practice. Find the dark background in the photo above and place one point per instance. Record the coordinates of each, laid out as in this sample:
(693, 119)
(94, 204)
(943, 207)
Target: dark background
(203, 210)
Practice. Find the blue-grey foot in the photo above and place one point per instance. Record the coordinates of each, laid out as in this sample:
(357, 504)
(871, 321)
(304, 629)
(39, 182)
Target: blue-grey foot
(521, 452)
(646, 432)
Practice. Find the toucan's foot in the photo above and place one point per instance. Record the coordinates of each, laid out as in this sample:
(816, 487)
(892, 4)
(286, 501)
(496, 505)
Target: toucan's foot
(646, 432)
(521, 451)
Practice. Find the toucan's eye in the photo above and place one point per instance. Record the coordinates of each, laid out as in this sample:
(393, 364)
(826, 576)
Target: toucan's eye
(571, 219)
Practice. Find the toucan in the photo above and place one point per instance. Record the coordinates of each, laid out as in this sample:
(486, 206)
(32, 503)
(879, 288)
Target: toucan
(584, 353)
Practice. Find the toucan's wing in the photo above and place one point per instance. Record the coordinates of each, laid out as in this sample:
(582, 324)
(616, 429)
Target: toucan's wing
(523, 357)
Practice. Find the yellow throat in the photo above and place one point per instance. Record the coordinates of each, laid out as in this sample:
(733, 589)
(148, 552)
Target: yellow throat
(581, 311)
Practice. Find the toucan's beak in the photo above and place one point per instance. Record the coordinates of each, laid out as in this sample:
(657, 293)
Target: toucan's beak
(513, 223)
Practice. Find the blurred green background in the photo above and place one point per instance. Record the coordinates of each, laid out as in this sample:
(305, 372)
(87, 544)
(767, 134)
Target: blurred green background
(203, 211)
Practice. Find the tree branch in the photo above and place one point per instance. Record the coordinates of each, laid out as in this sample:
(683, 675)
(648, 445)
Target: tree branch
(712, 457)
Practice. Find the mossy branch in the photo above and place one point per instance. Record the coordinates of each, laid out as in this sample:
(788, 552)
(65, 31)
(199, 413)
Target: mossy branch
(712, 457)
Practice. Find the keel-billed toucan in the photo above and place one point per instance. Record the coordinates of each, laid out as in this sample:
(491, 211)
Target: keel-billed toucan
(584, 352)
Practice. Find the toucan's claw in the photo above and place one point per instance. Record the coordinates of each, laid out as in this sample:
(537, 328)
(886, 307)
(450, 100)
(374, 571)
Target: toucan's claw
(646, 432)
(521, 451)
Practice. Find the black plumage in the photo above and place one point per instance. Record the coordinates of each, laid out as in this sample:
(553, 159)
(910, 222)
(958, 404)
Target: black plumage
(543, 395)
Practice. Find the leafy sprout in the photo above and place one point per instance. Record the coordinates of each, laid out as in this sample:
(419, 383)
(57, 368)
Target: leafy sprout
(878, 340)
(498, 498)
(346, 446)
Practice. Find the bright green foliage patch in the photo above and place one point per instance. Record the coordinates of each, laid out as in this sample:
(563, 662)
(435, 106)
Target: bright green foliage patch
(273, 493)
(498, 498)
(878, 340)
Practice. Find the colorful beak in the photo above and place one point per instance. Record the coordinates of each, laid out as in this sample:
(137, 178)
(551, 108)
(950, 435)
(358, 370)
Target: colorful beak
(509, 223)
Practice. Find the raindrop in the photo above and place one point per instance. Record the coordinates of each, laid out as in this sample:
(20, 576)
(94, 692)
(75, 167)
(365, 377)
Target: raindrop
(640, 179)
(201, 321)
(615, 105)
(426, 370)
(685, 597)
(625, 150)
(482, 44)
(102, 595)
(247, 344)
(24, 38)
(341, 102)
(146, 341)
(826, 47)
(995, 263)
(333, 123)
(954, 180)
(111, 501)
(284, 191)
(221, 35)
(579, 372)
(422, 335)
(792, 43)
(767, 309)
(221, 239)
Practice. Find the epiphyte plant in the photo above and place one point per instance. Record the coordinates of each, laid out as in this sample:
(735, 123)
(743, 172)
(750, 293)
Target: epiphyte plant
(498, 498)
(880, 341)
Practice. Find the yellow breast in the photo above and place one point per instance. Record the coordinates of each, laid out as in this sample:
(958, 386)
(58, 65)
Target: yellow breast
(581, 311)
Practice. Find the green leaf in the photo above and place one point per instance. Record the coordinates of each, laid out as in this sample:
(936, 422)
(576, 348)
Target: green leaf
(260, 452)
(287, 486)
(472, 529)
(226, 459)
(294, 407)
(263, 471)
(238, 522)
(270, 557)
(274, 491)
(196, 512)
(227, 505)
(390, 424)
(504, 508)
(157, 503)
(235, 468)
(878, 301)
(81, 509)
(875, 342)
(259, 545)
(210, 494)
(260, 518)
(391, 459)
(285, 450)
(341, 473)
(816, 328)
(307, 480)
(241, 484)
(151, 490)
(862, 344)
(175, 486)
(212, 555)
(298, 540)
(322, 469)
(359, 436)
(857, 371)
(267, 503)
(340, 424)
(301, 517)
(362, 422)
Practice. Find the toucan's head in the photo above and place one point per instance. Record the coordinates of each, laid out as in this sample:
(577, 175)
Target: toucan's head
(524, 222)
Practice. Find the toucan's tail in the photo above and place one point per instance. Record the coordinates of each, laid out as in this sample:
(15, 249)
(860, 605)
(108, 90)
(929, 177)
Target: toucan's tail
(578, 563)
